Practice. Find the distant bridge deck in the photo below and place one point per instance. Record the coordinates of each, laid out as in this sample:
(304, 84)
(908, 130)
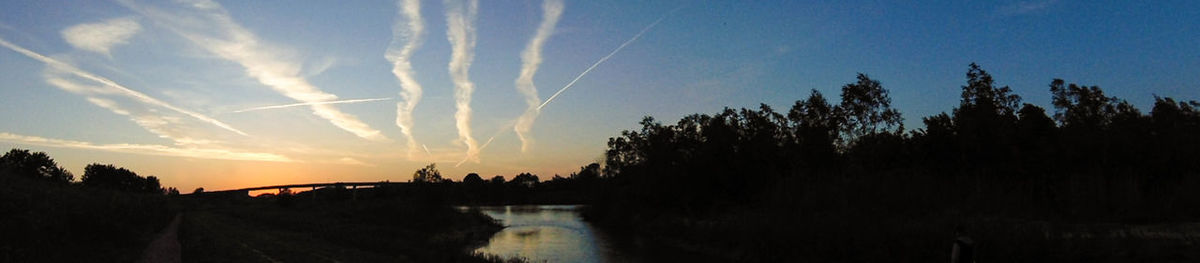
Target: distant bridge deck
(312, 185)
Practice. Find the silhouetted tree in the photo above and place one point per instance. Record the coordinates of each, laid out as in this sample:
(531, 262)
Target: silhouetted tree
(814, 127)
(587, 173)
(39, 165)
(472, 178)
(867, 109)
(985, 121)
(524, 180)
(428, 174)
(116, 178)
(199, 190)
(497, 180)
(171, 191)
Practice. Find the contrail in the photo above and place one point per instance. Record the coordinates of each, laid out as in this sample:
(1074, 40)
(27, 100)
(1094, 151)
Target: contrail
(309, 104)
(589, 69)
(531, 58)
(208, 25)
(503, 128)
(605, 58)
(126, 91)
(460, 30)
(410, 93)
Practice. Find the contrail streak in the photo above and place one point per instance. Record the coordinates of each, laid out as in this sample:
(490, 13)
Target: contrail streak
(531, 58)
(460, 30)
(211, 27)
(410, 93)
(503, 128)
(126, 91)
(605, 58)
(309, 104)
(589, 69)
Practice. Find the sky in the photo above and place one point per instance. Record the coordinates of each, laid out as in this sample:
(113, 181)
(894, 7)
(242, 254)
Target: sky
(233, 94)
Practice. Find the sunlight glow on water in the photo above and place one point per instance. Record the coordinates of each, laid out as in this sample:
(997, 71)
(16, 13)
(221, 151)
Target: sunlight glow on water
(550, 233)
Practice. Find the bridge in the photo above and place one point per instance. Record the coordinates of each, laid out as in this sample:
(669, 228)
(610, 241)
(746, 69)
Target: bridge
(245, 192)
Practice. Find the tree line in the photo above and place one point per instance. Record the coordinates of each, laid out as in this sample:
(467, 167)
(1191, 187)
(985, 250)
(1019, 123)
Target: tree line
(1093, 155)
(39, 166)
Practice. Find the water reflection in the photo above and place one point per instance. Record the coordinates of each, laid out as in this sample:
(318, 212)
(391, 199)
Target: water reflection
(551, 233)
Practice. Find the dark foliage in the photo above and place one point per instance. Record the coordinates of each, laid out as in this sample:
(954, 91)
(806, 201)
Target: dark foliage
(50, 221)
(121, 179)
(760, 177)
(20, 162)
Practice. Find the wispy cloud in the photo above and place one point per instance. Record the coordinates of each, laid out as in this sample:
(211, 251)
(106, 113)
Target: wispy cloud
(102, 36)
(201, 153)
(531, 58)
(352, 161)
(1025, 7)
(107, 86)
(309, 104)
(572, 83)
(210, 26)
(410, 32)
(460, 30)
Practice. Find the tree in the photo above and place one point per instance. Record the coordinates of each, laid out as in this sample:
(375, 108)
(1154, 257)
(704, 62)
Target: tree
(39, 165)
(985, 120)
(525, 179)
(428, 174)
(152, 186)
(496, 180)
(981, 94)
(867, 110)
(589, 172)
(199, 190)
(472, 178)
(1083, 107)
(117, 178)
(171, 191)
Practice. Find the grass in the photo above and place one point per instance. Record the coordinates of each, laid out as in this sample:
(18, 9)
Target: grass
(374, 230)
(46, 222)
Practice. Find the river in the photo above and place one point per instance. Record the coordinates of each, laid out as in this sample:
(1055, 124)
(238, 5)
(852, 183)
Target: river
(551, 233)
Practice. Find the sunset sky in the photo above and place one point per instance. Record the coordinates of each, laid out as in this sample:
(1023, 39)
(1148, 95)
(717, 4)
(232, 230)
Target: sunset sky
(373, 90)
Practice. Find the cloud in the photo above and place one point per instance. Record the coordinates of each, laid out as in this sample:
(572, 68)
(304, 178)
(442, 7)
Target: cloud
(210, 27)
(352, 161)
(107, 86)
(572, 83)
(531, 58)
(309, 104)
(411, 34)
(460, 30)
(159, 150)
(1025, 7)
(102, 36)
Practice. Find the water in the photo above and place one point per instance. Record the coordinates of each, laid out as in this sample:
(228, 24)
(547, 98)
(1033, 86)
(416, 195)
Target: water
(550, 233)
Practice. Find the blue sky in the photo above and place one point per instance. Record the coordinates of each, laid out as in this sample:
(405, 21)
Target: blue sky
(194, 63)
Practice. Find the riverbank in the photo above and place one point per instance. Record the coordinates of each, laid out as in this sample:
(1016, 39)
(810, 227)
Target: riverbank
(373, 230)
(772, 237)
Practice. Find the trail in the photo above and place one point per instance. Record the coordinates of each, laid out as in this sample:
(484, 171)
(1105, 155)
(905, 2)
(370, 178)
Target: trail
(569, 84)
(165, 248)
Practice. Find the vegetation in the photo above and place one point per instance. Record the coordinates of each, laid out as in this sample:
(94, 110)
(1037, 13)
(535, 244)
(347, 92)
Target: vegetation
(45, 217)
(327, 228)
(847, 181)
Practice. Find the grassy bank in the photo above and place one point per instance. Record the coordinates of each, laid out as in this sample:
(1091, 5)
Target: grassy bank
(373, 230)
(41, 221)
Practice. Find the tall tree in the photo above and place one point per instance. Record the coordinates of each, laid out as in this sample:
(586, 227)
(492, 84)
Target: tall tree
(21, 162)
(428, 174)
(867, 110)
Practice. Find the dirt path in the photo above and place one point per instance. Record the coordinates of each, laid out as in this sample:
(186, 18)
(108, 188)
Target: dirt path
(165, 248)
